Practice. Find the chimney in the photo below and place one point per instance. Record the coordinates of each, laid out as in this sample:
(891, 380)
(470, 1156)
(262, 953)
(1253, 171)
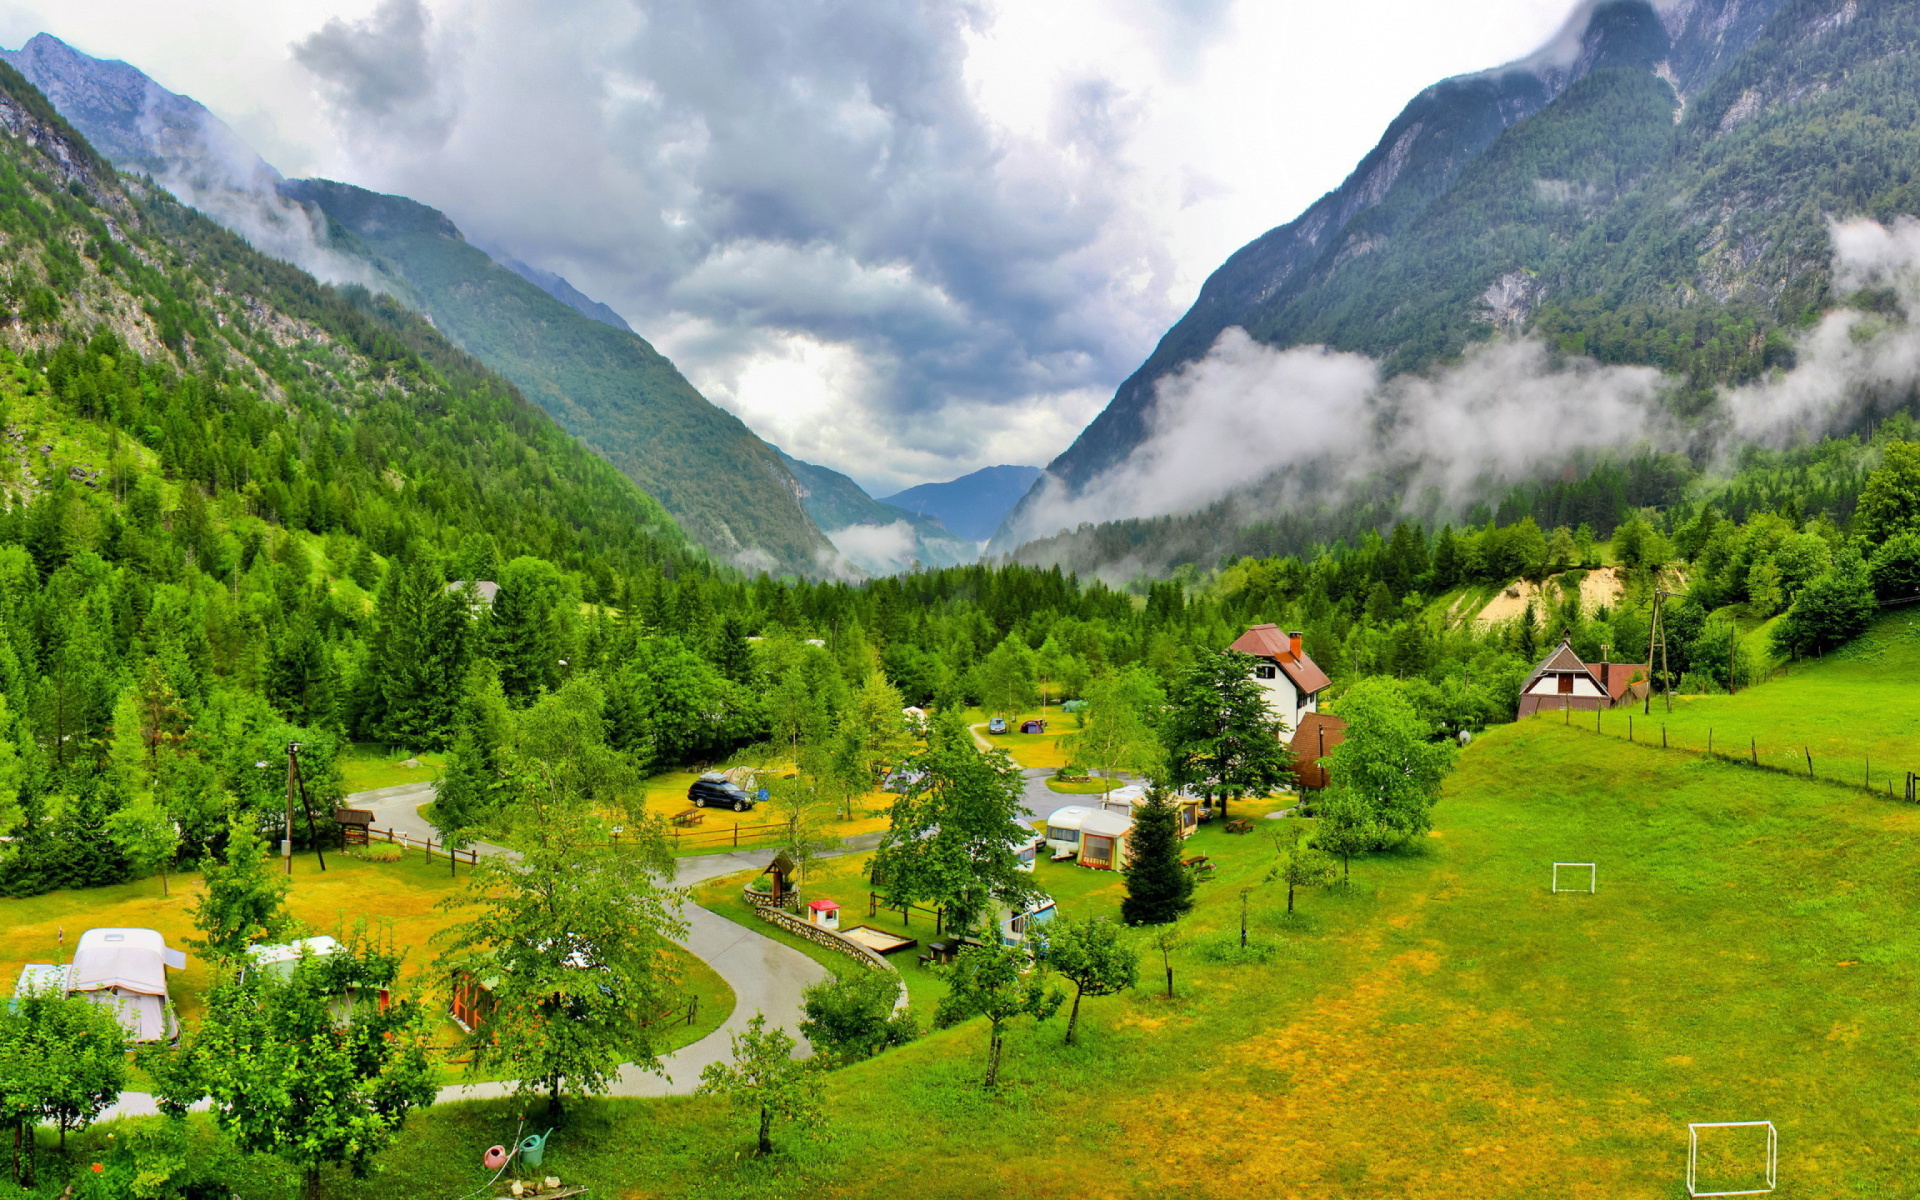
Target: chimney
(1293, 643)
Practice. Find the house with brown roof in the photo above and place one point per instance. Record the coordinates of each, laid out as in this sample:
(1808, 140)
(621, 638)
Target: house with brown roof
(1318, 734)
(1562, 681)
(1291, 680)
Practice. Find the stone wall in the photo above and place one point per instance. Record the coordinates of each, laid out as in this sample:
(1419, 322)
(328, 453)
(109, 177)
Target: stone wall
(832, 939)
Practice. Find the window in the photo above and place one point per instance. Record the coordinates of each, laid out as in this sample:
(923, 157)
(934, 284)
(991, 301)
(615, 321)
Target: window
(1098, 849)
(1566, 685)
(1057, 834)
(1265, 671)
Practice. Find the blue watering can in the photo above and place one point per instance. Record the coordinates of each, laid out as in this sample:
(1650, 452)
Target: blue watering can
(534, 1148)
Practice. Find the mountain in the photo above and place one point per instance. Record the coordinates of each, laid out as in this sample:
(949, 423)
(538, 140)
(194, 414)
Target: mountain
(558, 287)
(577, 359)
(972, 506)
(876, 537)
(1593, 174)
(196, 403)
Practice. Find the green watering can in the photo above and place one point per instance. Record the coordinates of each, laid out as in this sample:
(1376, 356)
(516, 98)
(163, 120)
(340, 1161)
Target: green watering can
(534, 1148)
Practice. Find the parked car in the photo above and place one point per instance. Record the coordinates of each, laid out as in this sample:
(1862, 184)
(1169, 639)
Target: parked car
(717, 791)
(997, 725)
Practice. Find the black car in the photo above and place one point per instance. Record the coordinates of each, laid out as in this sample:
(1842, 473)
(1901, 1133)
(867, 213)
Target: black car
(717, 791)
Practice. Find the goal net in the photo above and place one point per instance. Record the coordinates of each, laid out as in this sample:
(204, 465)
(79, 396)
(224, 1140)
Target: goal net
(1575, 877)
(1724, 1158)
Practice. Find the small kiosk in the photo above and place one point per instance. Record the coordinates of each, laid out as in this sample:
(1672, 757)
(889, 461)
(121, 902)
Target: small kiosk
(824, 913)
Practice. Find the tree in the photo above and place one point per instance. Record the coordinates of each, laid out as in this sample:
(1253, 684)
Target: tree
(469, 791)
(83, 1053)
(765, 1078)
(245, 900)
(878, 729)
(1221, 739)
(1386, 765)
(955, 832)
(1831, 611)
(1093, 956)
(1890, 502)
(1159, 886)
(998, 982)
(1346, 828)
(1166, 939)
(288, 1074)
(1895, 567)
(1008, 677)
(1300, 865)
(575, 932)
(799, 805)
(146, 835)
(852, 1016)
(1121, 707)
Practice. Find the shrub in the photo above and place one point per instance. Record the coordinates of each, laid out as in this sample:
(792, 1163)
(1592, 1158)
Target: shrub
(1895, 567)
(379, 852)
(1224, 949)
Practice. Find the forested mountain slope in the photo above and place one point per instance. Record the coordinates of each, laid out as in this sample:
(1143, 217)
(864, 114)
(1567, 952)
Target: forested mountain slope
(574, 357)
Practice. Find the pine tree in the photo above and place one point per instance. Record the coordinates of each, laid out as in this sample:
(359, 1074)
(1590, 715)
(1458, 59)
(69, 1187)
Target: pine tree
(1159, 887)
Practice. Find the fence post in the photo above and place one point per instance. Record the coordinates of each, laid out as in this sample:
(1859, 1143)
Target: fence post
(1809, 753)
(1663, 735)
(1709, 741)
(1629, 726)
(736, 835)
(1753, 748)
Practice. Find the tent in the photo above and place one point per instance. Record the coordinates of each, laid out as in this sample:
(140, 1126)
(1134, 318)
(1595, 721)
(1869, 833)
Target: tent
(126, 970)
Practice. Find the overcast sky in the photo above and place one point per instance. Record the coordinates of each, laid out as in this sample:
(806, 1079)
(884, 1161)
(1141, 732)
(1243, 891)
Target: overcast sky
(902, 239)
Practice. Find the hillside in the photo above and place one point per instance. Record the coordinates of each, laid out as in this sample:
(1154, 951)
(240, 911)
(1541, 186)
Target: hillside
(571, 355)
(1662, 201)
(874, 536)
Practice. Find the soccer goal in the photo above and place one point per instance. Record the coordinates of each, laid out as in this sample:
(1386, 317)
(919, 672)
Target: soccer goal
(1573, 875)
(1693, 1157)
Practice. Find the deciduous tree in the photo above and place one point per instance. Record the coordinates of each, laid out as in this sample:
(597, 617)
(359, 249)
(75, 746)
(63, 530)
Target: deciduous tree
(1221, 740)
(764, 1078)
(852, 1016)
(998, 982)
(1386, 765)
(245, 900)
(1093, 956)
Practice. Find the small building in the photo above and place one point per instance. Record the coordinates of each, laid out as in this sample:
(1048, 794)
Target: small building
(1103, 840)
(1014, 927)
(485, 592)
(124, 970)
(1563, 682)
(1028, 852)
(1318, 734)
(472, 998)
(1124, 800)
(1291, 680)
(280, 958)
(824, 913)
(781, 883)
(1033, 725)
(353, 823)
(1063, 830)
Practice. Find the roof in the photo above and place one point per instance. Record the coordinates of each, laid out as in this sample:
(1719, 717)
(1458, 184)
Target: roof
(1562, 661)
(824, 905)
(126, 960)
(1068, 816)
(1106, 824)
(1314, 726)
(1267, 641)
(1620, 677)
(485, 590)
(41, 977)
(289, 952)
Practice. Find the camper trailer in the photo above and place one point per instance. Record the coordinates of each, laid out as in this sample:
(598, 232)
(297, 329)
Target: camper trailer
(1103, 840)
(124, 970)
(1063, 831)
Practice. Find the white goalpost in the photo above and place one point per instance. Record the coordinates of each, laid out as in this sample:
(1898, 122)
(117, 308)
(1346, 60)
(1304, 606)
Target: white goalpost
(1693, 1156)
(1592, 880)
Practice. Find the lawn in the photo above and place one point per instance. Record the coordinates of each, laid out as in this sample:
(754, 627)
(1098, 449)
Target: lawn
(1852, 705)
(369, 766)
(402, 897)
(1446, 1027)
(666, 797)
(1027, 749)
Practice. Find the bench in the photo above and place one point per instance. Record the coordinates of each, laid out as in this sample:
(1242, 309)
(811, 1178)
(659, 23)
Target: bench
(1239, 825)
(1200, 866)
(691, 816)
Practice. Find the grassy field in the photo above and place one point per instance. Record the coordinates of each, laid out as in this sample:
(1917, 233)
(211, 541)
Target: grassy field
(367, 767)
(402, 897)
(1446, 1027)
(1027, 749)
(1846, 708)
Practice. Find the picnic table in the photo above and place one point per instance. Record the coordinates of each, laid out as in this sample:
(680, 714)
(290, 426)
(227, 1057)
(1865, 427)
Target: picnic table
(691, 816)
(1201, 866)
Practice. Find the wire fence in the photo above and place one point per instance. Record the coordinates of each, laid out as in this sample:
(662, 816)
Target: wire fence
(1796, 762)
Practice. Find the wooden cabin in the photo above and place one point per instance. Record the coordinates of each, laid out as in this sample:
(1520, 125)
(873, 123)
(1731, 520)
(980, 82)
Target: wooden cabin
(1563, 682)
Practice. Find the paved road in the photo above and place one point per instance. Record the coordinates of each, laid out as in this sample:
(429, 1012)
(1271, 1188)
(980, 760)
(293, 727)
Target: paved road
(765, 975)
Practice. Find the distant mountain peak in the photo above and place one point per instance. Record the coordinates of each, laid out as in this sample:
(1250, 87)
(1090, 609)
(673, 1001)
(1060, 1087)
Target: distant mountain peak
(973, 505)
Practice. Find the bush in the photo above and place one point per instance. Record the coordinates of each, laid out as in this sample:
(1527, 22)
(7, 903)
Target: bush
(379, 852)
(1832, 610)
(852, 1017)
(1225, 949)
(1895, 568)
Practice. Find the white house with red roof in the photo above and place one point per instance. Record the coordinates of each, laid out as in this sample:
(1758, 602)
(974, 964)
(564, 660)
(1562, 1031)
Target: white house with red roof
(1291, 680)
(1563, 681)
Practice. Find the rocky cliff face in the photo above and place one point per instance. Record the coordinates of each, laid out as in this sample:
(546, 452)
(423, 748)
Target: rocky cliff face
(1284, 284)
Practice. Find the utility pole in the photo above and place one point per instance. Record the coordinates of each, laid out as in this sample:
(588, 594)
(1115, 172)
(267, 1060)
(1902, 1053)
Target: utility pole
(294, 780)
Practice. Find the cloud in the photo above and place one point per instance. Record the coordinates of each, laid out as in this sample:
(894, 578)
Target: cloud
(1301, 424)
(876, 549)
(381, 74)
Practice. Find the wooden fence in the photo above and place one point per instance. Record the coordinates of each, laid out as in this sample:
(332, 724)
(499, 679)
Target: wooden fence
(729, 837)
(396, 837)
(1837, 771)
